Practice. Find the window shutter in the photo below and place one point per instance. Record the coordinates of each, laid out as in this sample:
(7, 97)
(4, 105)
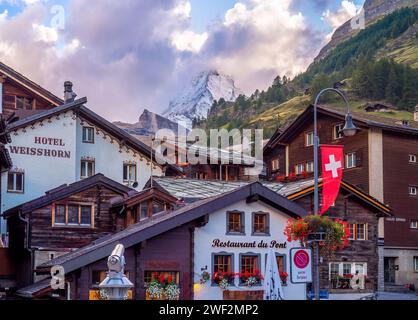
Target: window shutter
(359, 157)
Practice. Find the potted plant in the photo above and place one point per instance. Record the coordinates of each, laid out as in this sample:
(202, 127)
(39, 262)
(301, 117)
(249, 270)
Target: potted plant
(205, 277)
(223, 279)
(155, 290)
(251, 279)
(331, 234)
(283, 277)
(171, 290)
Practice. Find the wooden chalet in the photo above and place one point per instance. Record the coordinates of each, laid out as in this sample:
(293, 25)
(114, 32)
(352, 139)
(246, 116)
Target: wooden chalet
(21, 97)
(381, 160)
(166, 243)
(72, 216)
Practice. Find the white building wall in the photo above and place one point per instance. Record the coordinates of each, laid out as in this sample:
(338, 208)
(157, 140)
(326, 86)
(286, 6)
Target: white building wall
(216, 229)
(43, 173)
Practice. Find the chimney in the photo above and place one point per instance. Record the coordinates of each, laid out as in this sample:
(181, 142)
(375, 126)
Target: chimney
(416, 114)
(69, 95)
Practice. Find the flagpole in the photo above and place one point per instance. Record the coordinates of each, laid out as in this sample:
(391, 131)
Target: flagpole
(348, 130)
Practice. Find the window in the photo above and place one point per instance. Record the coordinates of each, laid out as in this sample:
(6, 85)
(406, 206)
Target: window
(157, 207)
(151, 275)
(412, 158)
(235, 222)
(87, 168)
(222, 263)
(299, 168)
(249, 263)
(15, 182)
(309, 139)
(129, 172)
(341, 274)
(358, 231)
(310, 166)
(143, 210)
(350, 160)
(23, 103)
(337, 134)
(416, 264)
(275, 165)
(261, 223)
(412, 191)
(88, 134)
(414, 224)
(72, 215)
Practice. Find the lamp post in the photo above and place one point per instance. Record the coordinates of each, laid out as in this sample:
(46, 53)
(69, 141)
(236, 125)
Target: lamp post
(349, 130)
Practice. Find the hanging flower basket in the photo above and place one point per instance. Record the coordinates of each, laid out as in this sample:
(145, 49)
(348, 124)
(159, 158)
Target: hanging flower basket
(331, 234)
(205, 277)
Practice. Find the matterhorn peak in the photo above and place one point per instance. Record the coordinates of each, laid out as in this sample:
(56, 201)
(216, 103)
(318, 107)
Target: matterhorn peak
(196, 100)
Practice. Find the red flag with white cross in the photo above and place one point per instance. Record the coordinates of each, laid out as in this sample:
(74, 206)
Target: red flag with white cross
(332, 172)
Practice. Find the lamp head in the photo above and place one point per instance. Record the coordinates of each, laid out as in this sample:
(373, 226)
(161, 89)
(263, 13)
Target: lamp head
(349, 129)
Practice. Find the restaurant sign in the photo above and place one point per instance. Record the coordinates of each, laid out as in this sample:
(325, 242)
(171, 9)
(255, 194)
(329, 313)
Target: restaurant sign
(300, 265)
(216, 243)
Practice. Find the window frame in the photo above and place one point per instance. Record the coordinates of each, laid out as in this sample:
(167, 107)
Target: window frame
(86, 161)
(415, 193)
(284, 257)
(275, 165)
(176, 276)
(411, 157)
(299, 166)
(242, 223)
(128, 166)
(354, 164)
(267, 223)
(413, 224)
(86, 129)
(249, 254)
(339, 135)
(355, 235)
(415, 263)
(15, 173)
(308, 164)
(72, 225)
(307, 138)
(341, 267)
(222, 253)
(25, 102)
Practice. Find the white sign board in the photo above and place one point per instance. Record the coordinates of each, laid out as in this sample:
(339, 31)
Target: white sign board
(300, 265)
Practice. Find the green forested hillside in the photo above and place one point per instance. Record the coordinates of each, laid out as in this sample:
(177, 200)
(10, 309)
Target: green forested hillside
(368, 66)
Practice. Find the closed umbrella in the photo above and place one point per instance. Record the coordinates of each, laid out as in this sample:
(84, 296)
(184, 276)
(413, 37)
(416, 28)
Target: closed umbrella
(272, 283)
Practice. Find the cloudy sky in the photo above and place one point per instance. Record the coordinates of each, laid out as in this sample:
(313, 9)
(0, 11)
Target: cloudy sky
(129, 55)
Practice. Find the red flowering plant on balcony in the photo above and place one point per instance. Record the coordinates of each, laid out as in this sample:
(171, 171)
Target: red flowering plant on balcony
(335, 231)
(223, 279)
(251, 278)
(283, 277)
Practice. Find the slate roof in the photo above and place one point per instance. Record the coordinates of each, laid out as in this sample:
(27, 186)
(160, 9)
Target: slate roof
(65, 191)
(165, 221)
(35, 288)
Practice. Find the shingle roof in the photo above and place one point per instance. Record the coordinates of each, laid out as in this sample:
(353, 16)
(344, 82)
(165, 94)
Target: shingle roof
(165, 221)
(65, 191)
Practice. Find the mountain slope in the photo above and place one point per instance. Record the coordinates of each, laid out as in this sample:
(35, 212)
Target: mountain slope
(196, 100)
(149, 123)
(373, 10)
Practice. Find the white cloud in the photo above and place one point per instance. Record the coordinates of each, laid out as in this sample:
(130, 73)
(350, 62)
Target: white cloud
(44, 33)
(183, 9)
(346, 11)
(189, 41)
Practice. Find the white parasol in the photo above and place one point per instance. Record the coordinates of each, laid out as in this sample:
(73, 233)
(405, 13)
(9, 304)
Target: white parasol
(272, 283)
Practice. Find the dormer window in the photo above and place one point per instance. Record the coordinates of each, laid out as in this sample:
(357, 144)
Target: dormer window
(88, 135)
(72, 215)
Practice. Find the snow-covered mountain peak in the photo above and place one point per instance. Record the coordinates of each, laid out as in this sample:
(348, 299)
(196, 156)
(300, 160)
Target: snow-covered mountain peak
(196, 100)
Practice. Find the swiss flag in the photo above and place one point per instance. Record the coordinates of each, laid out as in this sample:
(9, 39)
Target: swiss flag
(332, 172)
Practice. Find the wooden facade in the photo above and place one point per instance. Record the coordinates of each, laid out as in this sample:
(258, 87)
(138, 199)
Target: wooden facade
(22, 97)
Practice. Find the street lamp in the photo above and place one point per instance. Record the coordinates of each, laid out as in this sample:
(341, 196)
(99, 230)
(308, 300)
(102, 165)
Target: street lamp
(349, 130)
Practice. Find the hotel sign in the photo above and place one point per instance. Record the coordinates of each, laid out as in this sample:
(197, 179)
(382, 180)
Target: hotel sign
(43, 151)
(216, 243)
